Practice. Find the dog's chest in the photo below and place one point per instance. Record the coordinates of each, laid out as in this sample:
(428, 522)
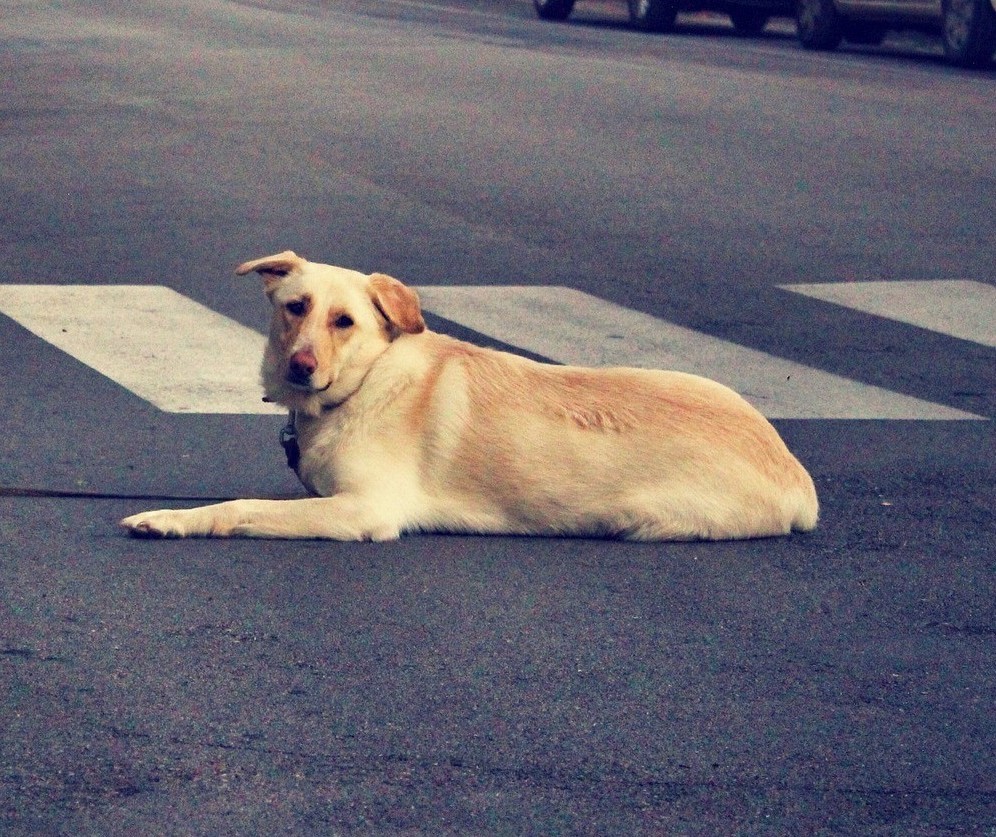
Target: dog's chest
(339, 452)
(321, 445)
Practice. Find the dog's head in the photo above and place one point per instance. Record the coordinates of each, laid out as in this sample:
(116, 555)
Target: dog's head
(329, 325)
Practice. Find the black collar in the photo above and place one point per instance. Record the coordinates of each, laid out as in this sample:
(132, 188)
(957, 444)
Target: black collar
(288, 439)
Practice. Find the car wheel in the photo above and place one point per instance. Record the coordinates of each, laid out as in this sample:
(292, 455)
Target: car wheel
(968, 30)
(818, 24)
(748, 21)
(653, 15)
(866, 34)
(554, 9)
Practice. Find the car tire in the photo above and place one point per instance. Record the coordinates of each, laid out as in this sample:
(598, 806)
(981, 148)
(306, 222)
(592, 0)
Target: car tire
(864, 34)
(818, 24)
(653, 15)
(553, 9)
(968, 30)
(748, 21)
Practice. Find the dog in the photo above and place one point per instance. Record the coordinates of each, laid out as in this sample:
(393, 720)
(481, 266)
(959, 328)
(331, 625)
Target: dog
(395, 428)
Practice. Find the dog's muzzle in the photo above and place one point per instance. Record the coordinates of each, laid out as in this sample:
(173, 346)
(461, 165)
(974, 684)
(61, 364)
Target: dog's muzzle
(300, 367)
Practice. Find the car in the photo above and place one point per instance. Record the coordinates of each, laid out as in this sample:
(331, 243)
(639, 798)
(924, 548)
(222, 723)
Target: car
(749, 16)
(967, 27)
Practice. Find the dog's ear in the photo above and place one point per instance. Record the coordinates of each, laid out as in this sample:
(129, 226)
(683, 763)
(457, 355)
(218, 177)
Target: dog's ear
(397, 302)
(273, 269)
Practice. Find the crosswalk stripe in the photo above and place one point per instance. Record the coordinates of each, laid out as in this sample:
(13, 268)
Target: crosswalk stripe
(164, 347)
(570, 326)
(183, 357)
(957, 307)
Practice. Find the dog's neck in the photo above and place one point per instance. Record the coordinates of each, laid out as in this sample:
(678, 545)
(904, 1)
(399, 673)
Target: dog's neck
(288, 433)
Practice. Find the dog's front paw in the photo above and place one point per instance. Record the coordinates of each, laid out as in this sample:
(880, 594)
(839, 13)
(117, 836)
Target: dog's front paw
(156, 524)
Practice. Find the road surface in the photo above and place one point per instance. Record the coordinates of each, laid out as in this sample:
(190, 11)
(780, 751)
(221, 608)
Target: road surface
(571, 191)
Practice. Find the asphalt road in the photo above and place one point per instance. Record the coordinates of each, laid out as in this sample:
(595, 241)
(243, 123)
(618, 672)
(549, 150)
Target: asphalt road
(839, 682)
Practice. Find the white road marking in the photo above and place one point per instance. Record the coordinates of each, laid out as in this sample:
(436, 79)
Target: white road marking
(573, 327)
(164, 347)
(186, 358)
(959, 308)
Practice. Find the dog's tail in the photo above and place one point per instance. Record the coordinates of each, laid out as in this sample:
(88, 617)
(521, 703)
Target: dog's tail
(807, 513)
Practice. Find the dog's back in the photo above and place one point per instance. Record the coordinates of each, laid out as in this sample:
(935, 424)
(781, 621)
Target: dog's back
(636, 453)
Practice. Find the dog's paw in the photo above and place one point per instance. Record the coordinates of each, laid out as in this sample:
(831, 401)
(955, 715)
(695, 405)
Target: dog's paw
(154, 524)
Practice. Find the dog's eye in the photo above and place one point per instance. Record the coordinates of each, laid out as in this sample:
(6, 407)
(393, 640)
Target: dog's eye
(296, 307)
(344, 321)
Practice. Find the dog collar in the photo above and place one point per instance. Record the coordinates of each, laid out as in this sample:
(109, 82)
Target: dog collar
(288, 433)
(288, 440)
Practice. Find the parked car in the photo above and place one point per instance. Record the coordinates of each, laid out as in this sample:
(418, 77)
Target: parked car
(749, 16)
(967, 27)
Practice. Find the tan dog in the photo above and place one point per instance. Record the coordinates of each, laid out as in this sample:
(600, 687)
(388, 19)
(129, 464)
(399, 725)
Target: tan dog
(401, 429)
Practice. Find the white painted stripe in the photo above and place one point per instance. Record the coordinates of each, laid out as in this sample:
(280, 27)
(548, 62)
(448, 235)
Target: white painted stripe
(186, 358)
(959, 308)
(164, 347)
(572, 327)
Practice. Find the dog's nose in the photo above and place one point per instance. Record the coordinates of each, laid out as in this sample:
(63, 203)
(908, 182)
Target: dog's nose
(301, 366)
